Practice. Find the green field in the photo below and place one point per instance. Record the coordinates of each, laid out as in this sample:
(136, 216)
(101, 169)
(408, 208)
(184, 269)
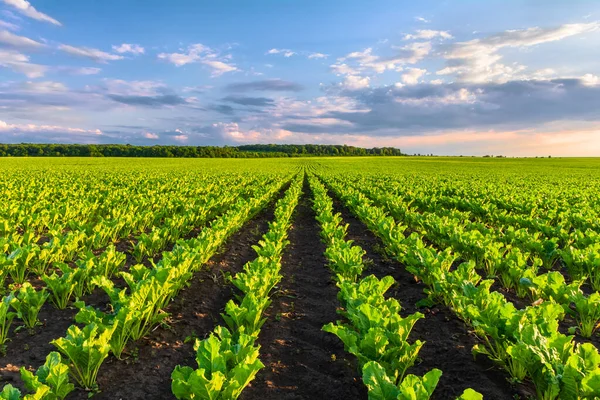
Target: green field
(300, 278)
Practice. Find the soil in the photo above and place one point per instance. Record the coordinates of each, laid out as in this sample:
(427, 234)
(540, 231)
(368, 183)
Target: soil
(302, 361)
(448, 341)
(146, 372)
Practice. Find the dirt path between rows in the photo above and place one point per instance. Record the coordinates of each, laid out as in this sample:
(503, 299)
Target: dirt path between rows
(448, 341)
(303, 362)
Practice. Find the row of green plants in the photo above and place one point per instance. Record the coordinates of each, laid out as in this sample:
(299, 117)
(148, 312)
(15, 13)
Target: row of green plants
(577, 247)
(373, 329)
(139, 307)
(530, 203)
(66, 284)
(25, 256)
(526, 343)
(515, 268)
(228, 360)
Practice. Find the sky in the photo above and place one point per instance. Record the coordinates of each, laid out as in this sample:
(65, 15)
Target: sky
(463, 77)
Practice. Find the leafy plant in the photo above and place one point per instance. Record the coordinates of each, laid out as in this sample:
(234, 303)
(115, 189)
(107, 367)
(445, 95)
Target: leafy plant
(52, 378)
(6, 318)
(225, 367)
(61, 286)
(86, 350)
(383, 387)
(28, 304)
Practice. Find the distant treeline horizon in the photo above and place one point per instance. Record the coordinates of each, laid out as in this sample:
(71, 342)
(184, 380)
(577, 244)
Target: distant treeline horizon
(245, 151)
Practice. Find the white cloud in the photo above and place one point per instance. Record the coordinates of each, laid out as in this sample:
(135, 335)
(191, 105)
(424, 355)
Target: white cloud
(478, 60)
(150, 135)
(20, 63)
(590, 80)
(8, 25)
(43, 87)
(133, 88)
(129, 48)
(85, 71)
(412, 75)
(219, 67)
(181, 138)
(428, 34)
(421, 19)
(25, 8)
(343, 69)
(317, 55)
(198, 53)
(87, 52)
(19, 42)
(16, 128)
(284, 52)
(365, 62)
(352, 82)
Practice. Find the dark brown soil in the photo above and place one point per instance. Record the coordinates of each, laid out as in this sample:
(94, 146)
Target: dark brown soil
(448, 342)
(146, 373)
(302, 361)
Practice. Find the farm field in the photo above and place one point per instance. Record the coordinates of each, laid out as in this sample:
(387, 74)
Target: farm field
(307, 278)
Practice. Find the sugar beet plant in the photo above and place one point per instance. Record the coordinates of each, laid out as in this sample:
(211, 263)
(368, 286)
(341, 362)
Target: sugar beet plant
(228, 360)
(374, 332)
(526, 342)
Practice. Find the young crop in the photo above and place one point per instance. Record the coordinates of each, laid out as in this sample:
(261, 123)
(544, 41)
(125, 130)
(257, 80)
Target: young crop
(383, 387)
(28, 303)
(61, 286)
(51, 380)
(587, 312)
(225, 367)
(6, 318)
(19, 262)
(86, 349)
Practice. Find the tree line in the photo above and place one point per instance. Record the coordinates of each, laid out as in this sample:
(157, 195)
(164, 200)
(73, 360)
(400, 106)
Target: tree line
(246, 151)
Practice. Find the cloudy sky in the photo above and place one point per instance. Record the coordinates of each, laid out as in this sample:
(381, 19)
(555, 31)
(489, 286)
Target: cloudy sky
(445, 77)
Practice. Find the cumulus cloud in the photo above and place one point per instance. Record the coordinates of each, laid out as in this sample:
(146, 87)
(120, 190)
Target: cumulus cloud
(478, 60)
(412, 75)
(590, 80)
(150, 135)
(284, 52)
(91, 53)
(428, 34)
(20, 63)
(352, 82)
(421, 19)
(317, 56)
(366, 62)
(135, 49)
(199, 53)
(268, 85)
(25, 8)
(19, 42)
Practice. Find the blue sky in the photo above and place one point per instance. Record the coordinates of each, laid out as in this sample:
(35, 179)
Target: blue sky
(443, 77)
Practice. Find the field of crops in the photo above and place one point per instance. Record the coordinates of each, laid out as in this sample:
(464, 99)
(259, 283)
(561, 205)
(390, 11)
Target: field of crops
(310, 278)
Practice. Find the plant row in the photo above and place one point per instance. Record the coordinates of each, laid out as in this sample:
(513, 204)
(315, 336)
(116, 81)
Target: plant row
(373, 329)
(228, 360)
(139, 307)
(526, 342)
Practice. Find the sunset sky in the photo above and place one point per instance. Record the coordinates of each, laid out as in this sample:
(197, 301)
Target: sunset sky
(518, 78)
